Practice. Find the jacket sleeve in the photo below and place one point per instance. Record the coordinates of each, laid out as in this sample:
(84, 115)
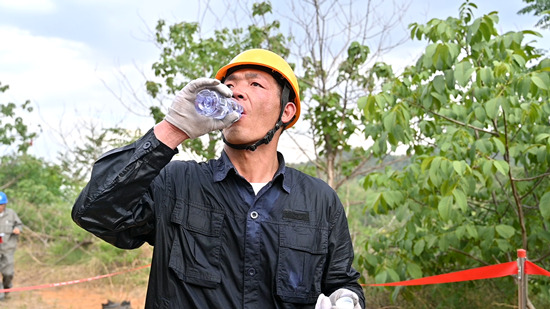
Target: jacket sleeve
(17, 223)
(340, 273)
(117, 203)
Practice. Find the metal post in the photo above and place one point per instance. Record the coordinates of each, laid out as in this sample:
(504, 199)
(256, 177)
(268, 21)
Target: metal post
(522, 279)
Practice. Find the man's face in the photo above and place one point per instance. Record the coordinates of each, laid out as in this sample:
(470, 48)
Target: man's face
(259, 94)
(2, 207)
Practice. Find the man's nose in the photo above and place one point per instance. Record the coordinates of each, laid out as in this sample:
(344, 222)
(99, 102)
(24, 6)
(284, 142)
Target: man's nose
(237, 93)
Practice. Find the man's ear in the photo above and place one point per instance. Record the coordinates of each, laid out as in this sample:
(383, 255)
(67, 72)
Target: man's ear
(289, 112)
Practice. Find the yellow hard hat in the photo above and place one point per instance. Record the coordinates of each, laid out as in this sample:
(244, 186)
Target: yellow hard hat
(267, 59)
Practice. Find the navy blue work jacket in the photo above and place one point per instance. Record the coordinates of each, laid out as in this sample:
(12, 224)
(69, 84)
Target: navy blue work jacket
(216, 243)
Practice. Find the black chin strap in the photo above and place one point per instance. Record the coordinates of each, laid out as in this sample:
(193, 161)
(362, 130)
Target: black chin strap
(269, 135)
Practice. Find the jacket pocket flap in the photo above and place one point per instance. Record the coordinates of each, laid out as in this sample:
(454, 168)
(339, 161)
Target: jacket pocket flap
(198, 218)
(304, 238)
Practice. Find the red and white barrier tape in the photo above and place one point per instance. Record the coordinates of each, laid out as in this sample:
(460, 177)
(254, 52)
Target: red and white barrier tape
(51, 285)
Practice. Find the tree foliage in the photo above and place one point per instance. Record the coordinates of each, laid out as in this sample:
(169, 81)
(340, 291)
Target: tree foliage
(334, 58)
(76, 161)
(14, 133)
(539, 8)
(34, 180)
(473, 114)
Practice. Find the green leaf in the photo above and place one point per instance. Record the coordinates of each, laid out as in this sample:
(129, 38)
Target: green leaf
(393, 275)
(381, 277)
(486, 75)
(442, 100)
(444, 207)
(362, 102)
(491, 108)
(544, 236)
(503, 245)
(380, 100)
(501, 166)
(459, 167)
(414, 29)
(472, 231)
(506, 231)
(389, 121)
(462, 72)
(414, 270)
(542, 81)
(392, 197)
(370, 109)
(443, 243)
(460, 199)
(439, 84)
(371, 259)
(519, 60)
(501, 69)
(434, 171)
(430, 240)
(540, 137)
(480, 114)
(419, 247)
(460, 230)
(524, 86)
(500, 146)
(426, 163)
(373, 201)
(441, 56)
(544, 205)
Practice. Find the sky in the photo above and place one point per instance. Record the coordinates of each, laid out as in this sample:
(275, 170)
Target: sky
(84, 61)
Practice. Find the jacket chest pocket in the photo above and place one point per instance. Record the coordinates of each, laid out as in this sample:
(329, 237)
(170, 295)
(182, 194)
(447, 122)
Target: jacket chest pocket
(6, 226)
(302, 255)
(195, 253)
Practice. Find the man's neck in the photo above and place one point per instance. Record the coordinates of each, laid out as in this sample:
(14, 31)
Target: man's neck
(255, 166)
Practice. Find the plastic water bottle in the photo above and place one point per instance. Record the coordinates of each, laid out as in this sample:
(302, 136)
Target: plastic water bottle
(212, 104)
(344, 303)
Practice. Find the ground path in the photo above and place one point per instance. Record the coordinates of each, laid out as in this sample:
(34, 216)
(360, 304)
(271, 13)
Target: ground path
(83, 295)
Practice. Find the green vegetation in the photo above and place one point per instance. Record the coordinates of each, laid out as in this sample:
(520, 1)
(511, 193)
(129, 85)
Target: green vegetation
(473, 115)
(540, 8)
(42, 193)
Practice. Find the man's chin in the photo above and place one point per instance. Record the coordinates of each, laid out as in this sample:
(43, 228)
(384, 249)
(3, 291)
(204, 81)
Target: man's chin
(232, 137)
(239, 141)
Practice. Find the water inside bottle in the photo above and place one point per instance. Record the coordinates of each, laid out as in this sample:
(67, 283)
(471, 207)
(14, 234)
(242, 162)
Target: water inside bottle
(210, 104)
(345, 303)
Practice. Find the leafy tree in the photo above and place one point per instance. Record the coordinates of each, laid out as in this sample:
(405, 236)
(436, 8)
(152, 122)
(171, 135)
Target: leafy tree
(335, 57)
(539, 8)
(14, 133)
(76, 161)
(22, 176)
(473, 114)
(27, 178)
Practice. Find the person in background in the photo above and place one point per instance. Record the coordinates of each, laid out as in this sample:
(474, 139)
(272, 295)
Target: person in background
(10, 228)
(240, 231)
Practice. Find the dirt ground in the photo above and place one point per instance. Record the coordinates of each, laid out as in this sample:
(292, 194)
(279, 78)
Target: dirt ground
(129, 286)
(72, 297)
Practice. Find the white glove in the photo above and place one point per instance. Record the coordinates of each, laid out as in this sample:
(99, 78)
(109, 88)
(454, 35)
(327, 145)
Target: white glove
(334, 301)
(323, 302)
(183, 115)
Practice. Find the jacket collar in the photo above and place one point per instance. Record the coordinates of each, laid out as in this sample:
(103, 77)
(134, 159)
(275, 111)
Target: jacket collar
(223, 168)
